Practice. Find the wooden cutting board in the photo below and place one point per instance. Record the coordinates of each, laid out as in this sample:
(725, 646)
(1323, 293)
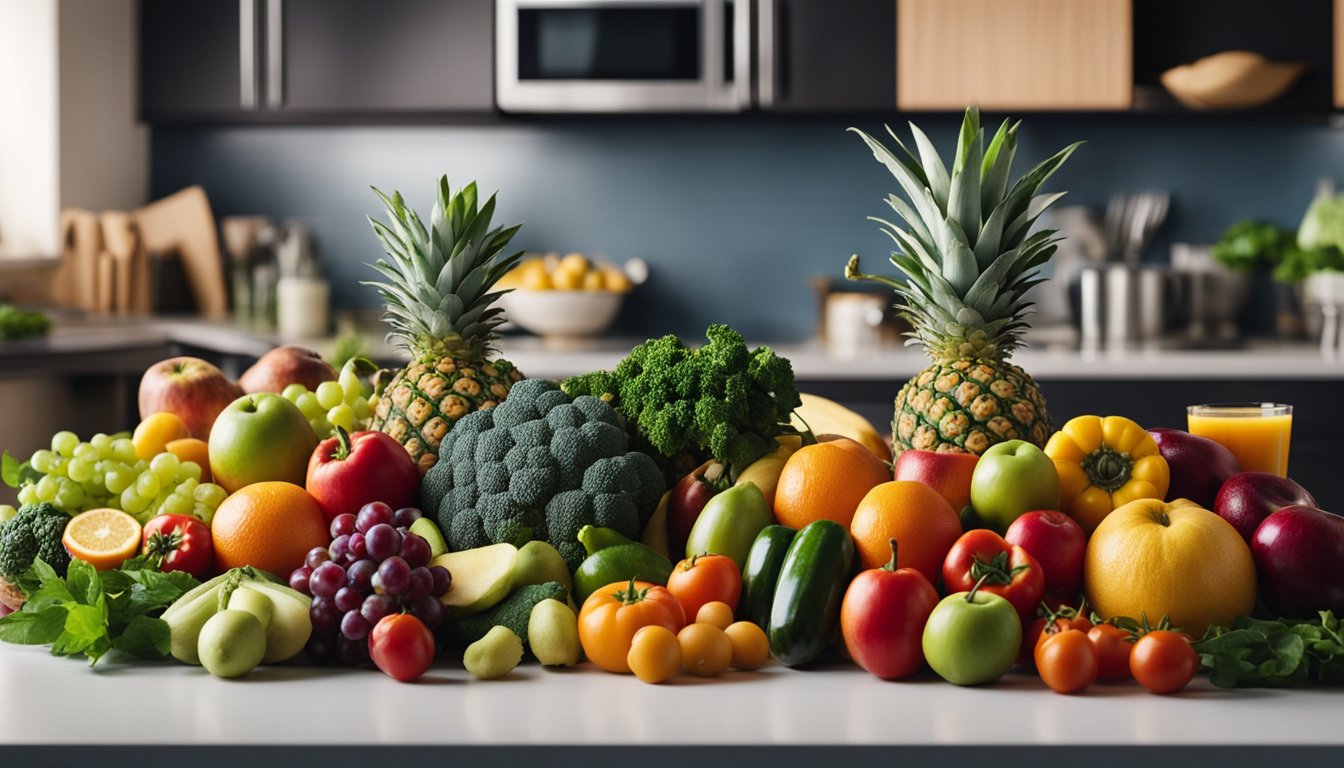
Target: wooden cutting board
(81, 243)
(184, 222)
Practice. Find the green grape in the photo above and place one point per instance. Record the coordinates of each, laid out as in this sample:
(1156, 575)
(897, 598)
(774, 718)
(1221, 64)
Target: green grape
(209, 494)
(187, 486)
(203, 512)
(78, 470)
(93, 489)
(342, 416)
(147, 485)
(292, 392)
(362, 410)
(321, 427)
(86, 452)
(119, 478)
(6, 512)
(309, 405)
(70, 496)
(43, 461)
(28, 495)
(103, 444)
(123, 450)
(64, 443)
(329, 394)
(164, 466)
(47, 488)
(133, 502)
(188, 471)
(176, 504)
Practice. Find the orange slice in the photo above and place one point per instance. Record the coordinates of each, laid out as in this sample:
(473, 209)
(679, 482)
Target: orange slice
(104, 538)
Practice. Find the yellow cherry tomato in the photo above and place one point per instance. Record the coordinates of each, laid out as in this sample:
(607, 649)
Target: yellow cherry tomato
(715, 612)
(705, 650)
(751, 647)
(655, 654)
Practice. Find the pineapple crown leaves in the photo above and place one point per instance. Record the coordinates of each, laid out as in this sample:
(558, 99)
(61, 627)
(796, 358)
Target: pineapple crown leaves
(437, 280)
(965, 243)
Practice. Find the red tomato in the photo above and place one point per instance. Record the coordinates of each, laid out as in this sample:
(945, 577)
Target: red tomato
(1067, 661)
(348, 471)
(882, 619)
(402, 646)
(1163, 661)
(183, 542)
(1113, 648)
(1008, 571)
(1057, 621)
(705, 579)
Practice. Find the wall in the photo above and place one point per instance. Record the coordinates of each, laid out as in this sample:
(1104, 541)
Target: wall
(734, 214)
(29, 198)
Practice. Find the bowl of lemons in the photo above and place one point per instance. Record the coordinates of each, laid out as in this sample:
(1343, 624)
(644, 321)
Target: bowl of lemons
(570, 296)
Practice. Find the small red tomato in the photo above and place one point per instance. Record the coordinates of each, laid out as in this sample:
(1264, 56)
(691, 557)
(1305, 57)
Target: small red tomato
(1067, 661)
(182, 543)
(705, 579)
(1008, 571)
(1113, 648)
(1163, 661)
(402, 646)
(1036, 632)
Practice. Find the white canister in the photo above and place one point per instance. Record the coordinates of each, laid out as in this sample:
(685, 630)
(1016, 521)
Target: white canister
(852, 319)
(302, 307)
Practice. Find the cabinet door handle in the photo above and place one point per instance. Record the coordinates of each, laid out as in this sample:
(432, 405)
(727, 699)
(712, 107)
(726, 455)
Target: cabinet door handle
(275, 54)
(765, 53)
(247, 53)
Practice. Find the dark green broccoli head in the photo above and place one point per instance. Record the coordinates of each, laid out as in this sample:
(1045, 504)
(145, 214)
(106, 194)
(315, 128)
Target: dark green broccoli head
(540, 466)
(32, 533)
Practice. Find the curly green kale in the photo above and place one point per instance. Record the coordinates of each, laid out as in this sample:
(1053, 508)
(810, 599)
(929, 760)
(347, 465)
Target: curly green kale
(34, 532)
(539, 467)
(719, 401)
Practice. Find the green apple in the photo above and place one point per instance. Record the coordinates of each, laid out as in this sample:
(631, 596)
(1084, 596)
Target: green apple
(260, 437)
(537, 563)
(482, 577)
(1011, 478)
(972, 637)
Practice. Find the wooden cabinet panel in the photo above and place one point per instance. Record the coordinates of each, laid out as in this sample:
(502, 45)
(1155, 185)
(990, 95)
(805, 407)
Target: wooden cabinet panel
(1014, 54)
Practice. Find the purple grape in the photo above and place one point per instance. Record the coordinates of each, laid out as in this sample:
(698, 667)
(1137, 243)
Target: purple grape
(324, 615)
(343, 525)
(371, 514)
(316, 556)
(321, 649)
(429, 610)
(414, 550)
(353, 626)
(406, 515)
(419, 585)
(360, 575)
(443, 580)
(376, 607)
(340, 548)
(298, 580)
(382, 541)
(352, 652)
(356, 548)
(326, 580)
(394, 575)
(348, 599)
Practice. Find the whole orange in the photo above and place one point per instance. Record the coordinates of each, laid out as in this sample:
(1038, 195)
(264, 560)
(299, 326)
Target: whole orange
(269, 525)
(1169, 559)
(827, 481)
(921, 521)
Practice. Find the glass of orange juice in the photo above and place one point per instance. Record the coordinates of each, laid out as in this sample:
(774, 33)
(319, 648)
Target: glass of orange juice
(1256, 433)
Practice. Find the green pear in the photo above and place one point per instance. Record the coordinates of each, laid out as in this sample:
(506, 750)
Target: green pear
(481, 578)
(537, 563)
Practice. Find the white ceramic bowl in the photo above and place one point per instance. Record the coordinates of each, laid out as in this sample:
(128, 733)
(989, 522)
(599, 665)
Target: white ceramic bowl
(562, 314)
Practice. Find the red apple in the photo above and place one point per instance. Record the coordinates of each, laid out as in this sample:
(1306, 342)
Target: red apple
(1199, 466)
(348, 471)
(1299, 557)
(191, 388)
(1247, 498)
(1058, 543)
(283, 366)
(689, 496)
(947, 473)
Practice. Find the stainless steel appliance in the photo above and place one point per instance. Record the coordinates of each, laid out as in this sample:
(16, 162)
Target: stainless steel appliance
(623, 55)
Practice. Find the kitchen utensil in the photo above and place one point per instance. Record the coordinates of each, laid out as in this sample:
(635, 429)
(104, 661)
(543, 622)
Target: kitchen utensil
(241, 238)
(1090, 305)
(184, 222)
(1131, 223)
(1121, 305)
(1216, 293)
(1231, 80)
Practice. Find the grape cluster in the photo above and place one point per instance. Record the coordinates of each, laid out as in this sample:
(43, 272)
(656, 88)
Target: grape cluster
(341, 403)
(374, 567)
(105, 472)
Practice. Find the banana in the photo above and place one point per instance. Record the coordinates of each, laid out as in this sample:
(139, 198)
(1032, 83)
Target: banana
(829, 417)
(655, 531)
(765, 471)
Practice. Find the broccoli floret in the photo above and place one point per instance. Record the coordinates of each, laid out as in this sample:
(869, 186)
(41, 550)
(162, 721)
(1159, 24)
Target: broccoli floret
(34, 532)
(720, 401)
(513, 612)
(534, 468)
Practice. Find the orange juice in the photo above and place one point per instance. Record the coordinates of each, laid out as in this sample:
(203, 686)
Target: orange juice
(1256, 433)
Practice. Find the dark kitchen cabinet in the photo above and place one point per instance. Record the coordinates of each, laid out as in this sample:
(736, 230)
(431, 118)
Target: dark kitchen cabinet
(826, 55)
(196, 58)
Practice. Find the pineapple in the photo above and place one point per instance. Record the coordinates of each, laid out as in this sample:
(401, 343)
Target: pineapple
(969, 258)
(438, 291)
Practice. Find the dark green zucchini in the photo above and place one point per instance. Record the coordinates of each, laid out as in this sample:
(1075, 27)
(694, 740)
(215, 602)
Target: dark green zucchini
(811, 586)
(761, 571)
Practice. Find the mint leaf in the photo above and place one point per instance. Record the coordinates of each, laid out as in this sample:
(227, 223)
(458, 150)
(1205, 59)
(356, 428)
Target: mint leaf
(50, 589)
(83, 582)
(85, 625)
(33, 627)
(144, 638)
(9, 470)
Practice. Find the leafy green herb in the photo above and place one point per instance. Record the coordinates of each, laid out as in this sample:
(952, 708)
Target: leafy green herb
(16, 323)
(1254, 653)
(1247, 244)
(91, 612)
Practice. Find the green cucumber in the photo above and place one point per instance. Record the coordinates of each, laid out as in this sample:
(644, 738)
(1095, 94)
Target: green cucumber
(620, 564)
(811, 586)
(761, 571)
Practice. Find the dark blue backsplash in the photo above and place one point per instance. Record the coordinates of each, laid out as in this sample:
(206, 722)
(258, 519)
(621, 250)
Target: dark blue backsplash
(734, 214)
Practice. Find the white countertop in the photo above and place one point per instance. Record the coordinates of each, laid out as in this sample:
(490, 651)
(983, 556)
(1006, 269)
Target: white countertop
(776, 706)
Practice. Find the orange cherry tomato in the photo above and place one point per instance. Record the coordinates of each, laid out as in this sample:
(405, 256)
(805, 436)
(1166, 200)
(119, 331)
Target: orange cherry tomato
(612, 615)
(706, 650)
(1036, 632)
(1113, 648)
(1163, 661)
(716, 613)
(705, 579)
(751, 647)
(655, 654)
(1067, 661)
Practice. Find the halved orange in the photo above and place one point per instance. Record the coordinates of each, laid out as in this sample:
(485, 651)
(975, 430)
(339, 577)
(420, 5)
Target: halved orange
(104, 538)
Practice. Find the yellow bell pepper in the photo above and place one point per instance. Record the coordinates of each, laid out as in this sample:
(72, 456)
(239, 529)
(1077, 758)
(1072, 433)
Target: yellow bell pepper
(1104, 463)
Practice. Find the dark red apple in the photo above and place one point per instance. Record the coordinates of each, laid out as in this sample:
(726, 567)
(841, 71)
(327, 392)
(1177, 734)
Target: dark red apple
(283, 366)
(1247, 498)
(947, 473)
(1299, 558)
(1058, 543)
(190, 387)
(689, 496)
(1199, 466)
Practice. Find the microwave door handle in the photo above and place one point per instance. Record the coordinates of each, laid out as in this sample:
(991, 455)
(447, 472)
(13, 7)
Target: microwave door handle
(742, 53)
(766, 34)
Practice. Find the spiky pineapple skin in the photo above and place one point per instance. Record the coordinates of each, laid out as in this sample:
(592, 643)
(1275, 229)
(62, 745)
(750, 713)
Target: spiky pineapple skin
(424, 399)
(967, 405)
